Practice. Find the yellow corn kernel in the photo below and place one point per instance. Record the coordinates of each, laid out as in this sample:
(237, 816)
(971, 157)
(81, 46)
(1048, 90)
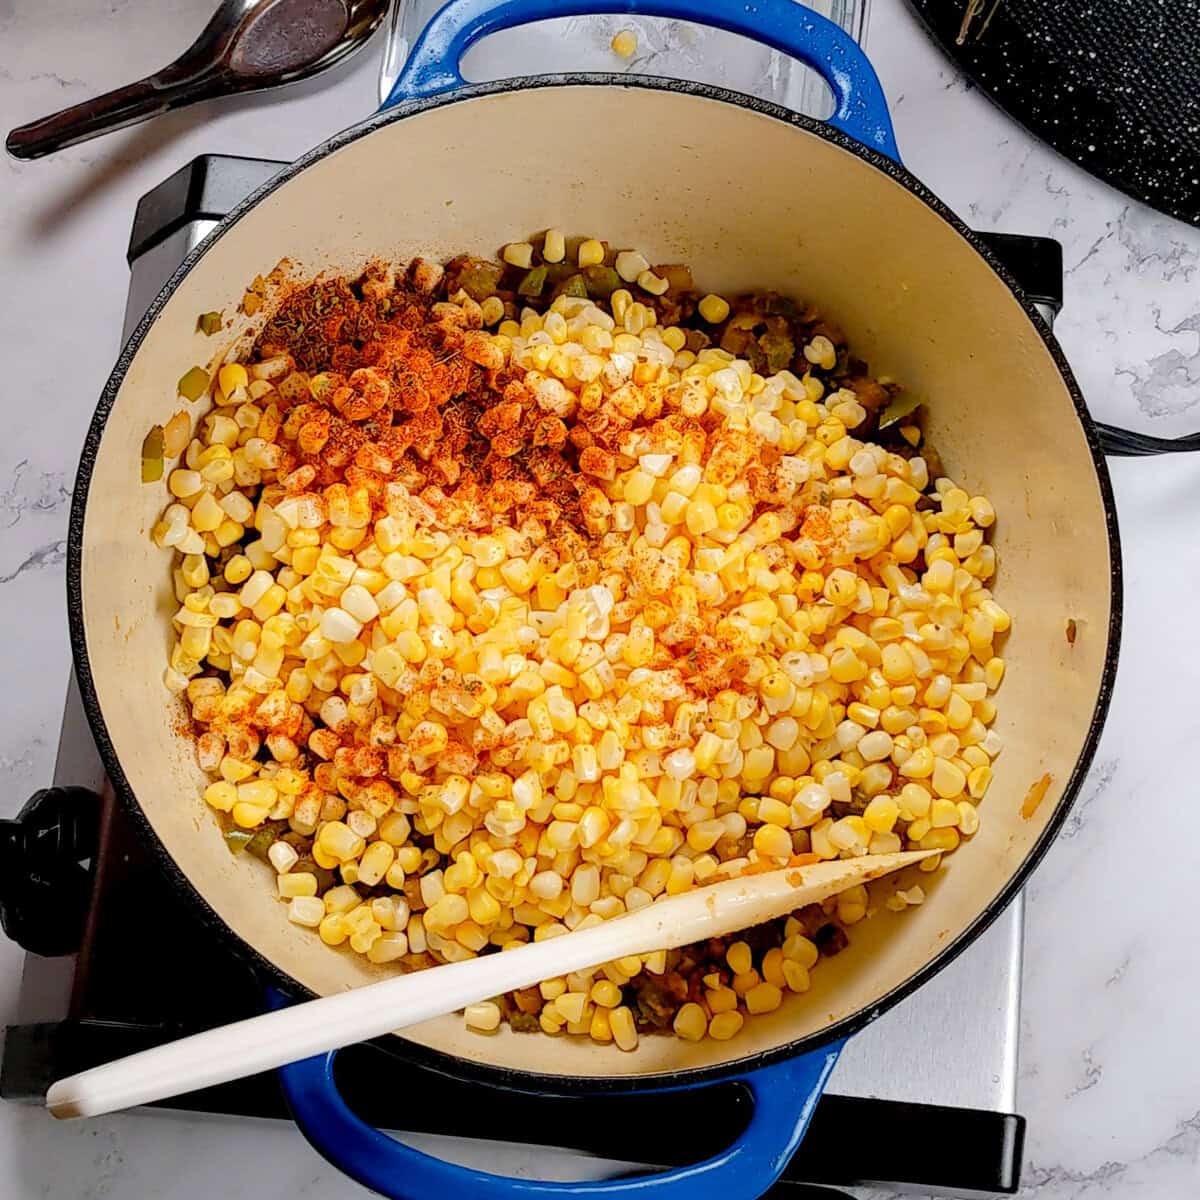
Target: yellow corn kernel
(375, 861)
(518, 254)
(600, 1029)
(324, 859)
(297, 883)
(739, 958)
(725, 1025)
(237, 570)
(968, 818)
(333, 930)
(978, 781)
(701, 518)
(721, 1000)
(235, 770)
(605, 993)
(918, 829)
(714, 309)
(339, 840)
(207, 514)
(221, 795)
(624, 1031)
(625, 43)
(948, 781)
(796, 975)
(799, 949)
(591, 253)
(763, 998)
(940, 839)
(483, 1017)
(919, 765)
(231, 377)
(705, 754)
(690, 1022)
(943, 814)
(554, 247)
(772, 967)
(880, 814)
(772, 842)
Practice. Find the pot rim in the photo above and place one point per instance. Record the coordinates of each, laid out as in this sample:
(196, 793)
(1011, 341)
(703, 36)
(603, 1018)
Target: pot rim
(438, 1060)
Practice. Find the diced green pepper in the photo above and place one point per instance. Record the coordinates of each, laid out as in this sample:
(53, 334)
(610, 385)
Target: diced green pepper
(238, 839)
(777, 344)
(775, 305)
(194, 384)
(252, 301)
(262, 840)
(573, 285)
(678, 276)
(209, 323)
(899, 407)
(531, 286)
(601, 281)
(739, 342)
(753, 354)
(152, 455)
(480, 278)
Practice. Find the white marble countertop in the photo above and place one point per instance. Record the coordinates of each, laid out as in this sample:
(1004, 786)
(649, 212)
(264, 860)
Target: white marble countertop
(1109, 1079)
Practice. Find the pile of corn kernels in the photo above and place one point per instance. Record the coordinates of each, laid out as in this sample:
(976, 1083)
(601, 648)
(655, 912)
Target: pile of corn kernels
(651, 619)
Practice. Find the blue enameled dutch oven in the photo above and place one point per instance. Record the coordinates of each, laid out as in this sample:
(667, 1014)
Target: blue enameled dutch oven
(751, 196)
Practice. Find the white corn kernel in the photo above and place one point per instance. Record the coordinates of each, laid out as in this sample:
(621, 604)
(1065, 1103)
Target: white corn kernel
(630, 264)
(518, 254)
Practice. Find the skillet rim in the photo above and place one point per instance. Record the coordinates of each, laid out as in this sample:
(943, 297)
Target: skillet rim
(506, 1077)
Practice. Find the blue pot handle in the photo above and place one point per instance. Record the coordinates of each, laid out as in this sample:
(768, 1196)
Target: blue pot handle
(784, 1097)
(784, 25)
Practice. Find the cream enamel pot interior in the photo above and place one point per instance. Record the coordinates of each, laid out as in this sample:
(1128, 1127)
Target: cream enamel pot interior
(750, 196)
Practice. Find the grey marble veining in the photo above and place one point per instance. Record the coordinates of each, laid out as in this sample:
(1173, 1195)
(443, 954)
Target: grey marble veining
(1109, 1077)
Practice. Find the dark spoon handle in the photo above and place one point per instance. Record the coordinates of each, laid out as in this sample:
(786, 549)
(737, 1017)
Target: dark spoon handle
(113, 110)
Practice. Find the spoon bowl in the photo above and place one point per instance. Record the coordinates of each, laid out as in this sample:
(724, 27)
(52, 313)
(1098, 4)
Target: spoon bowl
(247, 46)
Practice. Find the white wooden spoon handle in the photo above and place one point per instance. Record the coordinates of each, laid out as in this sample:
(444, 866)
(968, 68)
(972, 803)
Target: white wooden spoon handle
(289, 1034)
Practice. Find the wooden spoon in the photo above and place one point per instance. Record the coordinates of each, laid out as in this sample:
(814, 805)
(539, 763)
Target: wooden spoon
(317, 1026)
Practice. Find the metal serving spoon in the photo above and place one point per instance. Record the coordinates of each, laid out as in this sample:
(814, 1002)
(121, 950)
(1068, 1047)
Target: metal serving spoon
(317, 1026)
(249, 45)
